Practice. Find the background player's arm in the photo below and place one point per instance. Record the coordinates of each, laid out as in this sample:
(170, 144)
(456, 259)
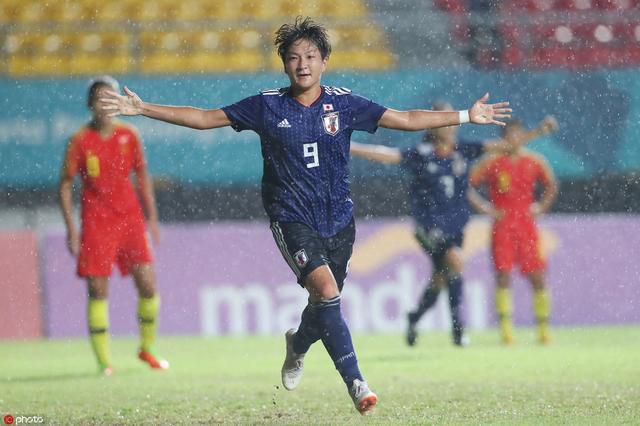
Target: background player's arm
(550, 189)
(547, 126)
(145, 186)
(131, 104)
(65, 192)
(145, 189)
(479, 113)
(477, 201)
(379, 153)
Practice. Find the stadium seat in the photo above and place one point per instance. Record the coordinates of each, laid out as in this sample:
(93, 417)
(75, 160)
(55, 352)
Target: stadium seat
(347, 9)
(617, 4)
(291, 8)
(552, 57)
(452, 6)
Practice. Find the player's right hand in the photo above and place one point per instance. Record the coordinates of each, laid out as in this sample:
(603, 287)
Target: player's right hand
(115, 104)
(73, 243)
(549, 125)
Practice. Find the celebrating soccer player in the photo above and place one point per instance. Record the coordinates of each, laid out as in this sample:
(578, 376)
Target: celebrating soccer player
(104, 153)
(511, 179)
(305, 131)
(439, 170)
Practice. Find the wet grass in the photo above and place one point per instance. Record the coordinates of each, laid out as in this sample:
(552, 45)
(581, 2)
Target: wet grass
(587, 376)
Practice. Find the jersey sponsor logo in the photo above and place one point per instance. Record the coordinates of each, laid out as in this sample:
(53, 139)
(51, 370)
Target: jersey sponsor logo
(327, 107)
(504, 182)
(331, 123)
(301, 258)
(93, 165)
(284, 124)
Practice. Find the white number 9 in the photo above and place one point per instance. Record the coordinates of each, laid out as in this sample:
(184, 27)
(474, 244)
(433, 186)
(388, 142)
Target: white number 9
(311, 150)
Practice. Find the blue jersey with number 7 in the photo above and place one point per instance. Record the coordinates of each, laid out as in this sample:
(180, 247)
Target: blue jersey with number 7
(438, 185)
(305, 152)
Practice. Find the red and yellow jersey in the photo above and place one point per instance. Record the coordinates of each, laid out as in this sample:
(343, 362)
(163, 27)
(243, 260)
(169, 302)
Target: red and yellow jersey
(105, 165)
(511, 181)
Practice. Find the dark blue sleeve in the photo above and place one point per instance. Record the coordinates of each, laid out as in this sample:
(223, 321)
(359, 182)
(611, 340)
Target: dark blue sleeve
(410, 160)
(246, 114)
(365, 114)
(471, 150)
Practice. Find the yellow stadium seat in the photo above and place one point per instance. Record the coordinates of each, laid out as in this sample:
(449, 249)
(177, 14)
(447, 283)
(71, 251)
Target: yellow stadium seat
(156, 10)
(347, 9)
(361, 59)
(115, 11)
(292, 8)
(9, 11)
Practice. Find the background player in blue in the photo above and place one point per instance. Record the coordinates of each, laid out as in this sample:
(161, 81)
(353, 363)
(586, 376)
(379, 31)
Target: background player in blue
(439, 169)
(305, 131)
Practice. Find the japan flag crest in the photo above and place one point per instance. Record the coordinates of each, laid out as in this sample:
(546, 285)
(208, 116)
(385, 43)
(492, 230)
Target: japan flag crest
(331, 123)
(301, 258)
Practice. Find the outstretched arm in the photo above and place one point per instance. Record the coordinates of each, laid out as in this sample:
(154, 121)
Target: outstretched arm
(547, 126)
(379, 153)
(479, 113)
(131, 104)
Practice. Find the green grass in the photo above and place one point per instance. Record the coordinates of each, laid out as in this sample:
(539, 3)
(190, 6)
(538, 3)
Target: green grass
(587, 376)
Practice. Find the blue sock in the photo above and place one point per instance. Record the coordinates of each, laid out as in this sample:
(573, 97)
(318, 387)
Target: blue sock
(308, 332)
(337, 339)
(455, 300)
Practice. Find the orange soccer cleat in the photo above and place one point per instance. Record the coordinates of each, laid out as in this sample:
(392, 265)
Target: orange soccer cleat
(363, 398)
(153, 361)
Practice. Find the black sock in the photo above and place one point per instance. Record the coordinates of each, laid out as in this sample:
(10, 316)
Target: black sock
(429, 298)
(455, 300)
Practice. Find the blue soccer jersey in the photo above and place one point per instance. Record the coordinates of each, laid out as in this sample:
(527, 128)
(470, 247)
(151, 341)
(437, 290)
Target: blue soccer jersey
(438, 187)
(305, 152)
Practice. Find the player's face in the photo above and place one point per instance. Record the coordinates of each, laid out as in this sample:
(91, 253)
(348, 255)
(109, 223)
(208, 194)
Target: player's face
(514, 135)
(304, 65)
(98, 113)
(445, 135)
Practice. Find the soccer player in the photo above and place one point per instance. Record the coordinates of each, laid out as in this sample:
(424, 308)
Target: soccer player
(439, 169)
(305, 131)
(105, 153)
(511, 179)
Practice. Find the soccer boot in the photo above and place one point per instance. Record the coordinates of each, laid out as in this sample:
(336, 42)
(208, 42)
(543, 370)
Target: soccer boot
(154, 362)
(544, 338)
(363, 398)
(459, 337)
(412, 333)
(105, 370)
(293, 365)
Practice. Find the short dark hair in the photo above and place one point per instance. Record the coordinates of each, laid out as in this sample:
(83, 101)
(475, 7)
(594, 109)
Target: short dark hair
(511, 124)
(97, 83)
(302, 28)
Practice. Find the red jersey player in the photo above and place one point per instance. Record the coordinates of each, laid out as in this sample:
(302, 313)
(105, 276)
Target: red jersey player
(104, 153)
(511, 179)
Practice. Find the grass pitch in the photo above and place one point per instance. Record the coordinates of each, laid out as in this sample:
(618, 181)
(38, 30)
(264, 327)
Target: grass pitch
(586, 376)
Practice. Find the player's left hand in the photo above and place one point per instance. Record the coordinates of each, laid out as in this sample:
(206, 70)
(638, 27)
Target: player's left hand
(116, 104)
(536, 209)
(483, 113)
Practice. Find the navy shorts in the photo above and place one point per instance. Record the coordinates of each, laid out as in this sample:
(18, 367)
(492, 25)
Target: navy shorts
(436, 244)
(305, 250)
